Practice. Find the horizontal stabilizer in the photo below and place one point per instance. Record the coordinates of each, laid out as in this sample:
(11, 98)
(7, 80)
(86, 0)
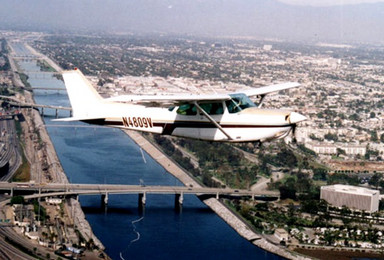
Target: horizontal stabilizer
(71, 119)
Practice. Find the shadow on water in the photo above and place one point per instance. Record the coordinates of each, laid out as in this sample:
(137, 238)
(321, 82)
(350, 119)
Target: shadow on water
(133, 211)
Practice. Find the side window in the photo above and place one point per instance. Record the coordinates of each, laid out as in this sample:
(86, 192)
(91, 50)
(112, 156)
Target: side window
(217, 109)
(213, 108)
(187, 109)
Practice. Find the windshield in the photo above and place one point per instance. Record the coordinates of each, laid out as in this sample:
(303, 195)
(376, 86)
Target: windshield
(238, 103)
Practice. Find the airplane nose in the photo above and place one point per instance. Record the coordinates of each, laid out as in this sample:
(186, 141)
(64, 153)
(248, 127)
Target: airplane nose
(295, 118)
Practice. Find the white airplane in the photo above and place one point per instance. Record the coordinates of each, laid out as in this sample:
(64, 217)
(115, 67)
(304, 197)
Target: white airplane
(218, 117)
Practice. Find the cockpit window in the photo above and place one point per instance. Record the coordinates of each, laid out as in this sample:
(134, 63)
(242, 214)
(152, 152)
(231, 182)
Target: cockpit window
(238, 103)
(187, 109)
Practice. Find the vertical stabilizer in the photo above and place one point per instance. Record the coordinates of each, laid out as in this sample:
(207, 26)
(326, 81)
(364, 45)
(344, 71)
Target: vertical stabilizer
(85, 100)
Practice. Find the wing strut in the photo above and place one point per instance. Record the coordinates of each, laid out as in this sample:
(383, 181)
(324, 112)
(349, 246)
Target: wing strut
(212, 120)
(261, 100)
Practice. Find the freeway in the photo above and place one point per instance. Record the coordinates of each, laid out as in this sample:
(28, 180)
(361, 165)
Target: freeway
(9, 151)
(91, 189)
(7, 251)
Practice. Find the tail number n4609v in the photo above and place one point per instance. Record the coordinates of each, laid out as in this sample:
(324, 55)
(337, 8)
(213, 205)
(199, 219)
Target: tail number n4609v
(137, 122)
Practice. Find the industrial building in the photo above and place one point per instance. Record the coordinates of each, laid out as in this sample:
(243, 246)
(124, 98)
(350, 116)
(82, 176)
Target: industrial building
(351, 196)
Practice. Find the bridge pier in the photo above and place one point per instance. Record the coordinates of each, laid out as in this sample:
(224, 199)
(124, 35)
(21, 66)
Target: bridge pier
(142, 200)
(179, 199)
(11, 192)
(56, 113)
(42, 111)
(217, 195)
(104, 199)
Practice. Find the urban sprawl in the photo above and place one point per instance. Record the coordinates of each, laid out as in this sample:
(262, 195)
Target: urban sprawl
(323, 172)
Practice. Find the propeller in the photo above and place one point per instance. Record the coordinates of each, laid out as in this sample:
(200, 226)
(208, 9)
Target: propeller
(294, 132)
(293, 118)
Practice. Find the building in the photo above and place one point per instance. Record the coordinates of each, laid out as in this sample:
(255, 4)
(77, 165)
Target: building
(54, 201)
(267, 47)
(281, 234)
(353, 149)
(331, 148)
(322, 148)
(351, 196)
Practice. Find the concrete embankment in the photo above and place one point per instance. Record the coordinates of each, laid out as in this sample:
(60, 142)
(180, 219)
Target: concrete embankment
(221, 210)
(44, 157)
(162, 159)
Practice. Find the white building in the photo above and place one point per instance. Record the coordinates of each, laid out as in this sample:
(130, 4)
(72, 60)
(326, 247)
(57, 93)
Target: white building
(353, 149)
(322, 148)
(281, 234)
(331, 148)
(54, 201)
(351, 196)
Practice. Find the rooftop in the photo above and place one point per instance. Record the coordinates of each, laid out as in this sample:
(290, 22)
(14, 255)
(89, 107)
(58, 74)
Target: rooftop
(350, 189)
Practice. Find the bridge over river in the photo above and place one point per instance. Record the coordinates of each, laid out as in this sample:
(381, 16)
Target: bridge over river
(17, 103)
(71, 189)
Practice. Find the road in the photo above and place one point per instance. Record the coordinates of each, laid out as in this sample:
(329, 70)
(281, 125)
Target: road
(9, 150)
(262, 185)
(70, 188)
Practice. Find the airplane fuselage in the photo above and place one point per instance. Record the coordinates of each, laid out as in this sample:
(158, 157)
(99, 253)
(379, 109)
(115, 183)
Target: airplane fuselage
(249, 124)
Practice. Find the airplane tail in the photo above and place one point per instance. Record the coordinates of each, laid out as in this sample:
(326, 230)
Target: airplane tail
(84, 99)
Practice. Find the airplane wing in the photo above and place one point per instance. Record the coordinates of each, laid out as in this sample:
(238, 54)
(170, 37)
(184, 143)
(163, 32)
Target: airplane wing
(158, 100)
(190, 98)
(268, 89)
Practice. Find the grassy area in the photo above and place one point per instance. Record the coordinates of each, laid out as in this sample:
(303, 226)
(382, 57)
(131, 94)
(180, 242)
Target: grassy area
(24, 79)
(44, 66)
(23, 174)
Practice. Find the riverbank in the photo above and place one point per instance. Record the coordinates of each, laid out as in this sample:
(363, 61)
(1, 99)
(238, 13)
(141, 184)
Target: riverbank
(44, 163)
(46, 167)
(228, 216)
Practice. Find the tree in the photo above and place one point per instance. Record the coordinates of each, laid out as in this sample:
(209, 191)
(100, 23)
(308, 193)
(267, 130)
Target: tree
(374, 137)
(375, 180)
(354, 117)
(319, 174)
(372, 115)
(17, 200)
(382, 138)
(340, 151)
(331, 137)
(329, 238)
(288, 189)
(286, 158)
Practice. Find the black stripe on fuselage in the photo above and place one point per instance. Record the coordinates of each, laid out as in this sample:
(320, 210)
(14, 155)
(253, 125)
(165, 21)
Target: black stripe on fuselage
(170, 127)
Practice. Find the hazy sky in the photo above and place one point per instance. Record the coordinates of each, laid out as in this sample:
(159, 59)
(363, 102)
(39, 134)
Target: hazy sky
(340, 21)
(328, 2)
